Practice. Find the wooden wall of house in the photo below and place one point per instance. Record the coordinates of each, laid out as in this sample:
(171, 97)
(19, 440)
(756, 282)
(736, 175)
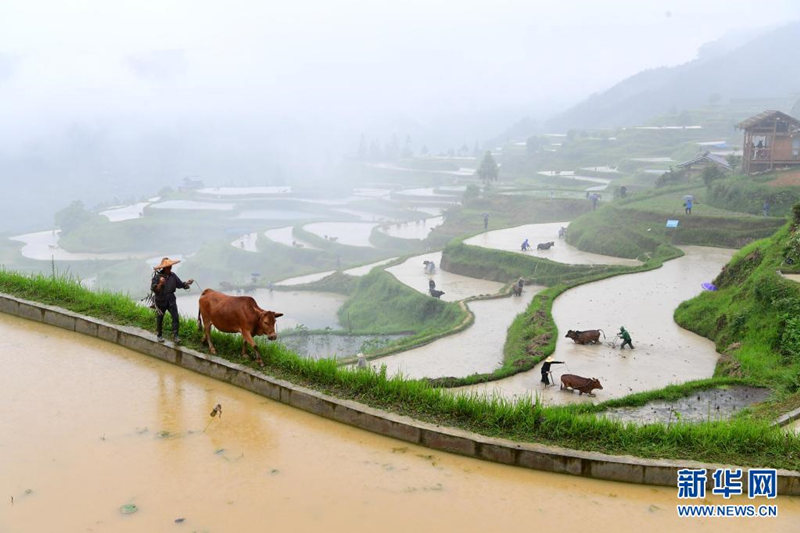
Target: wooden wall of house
(782, 148)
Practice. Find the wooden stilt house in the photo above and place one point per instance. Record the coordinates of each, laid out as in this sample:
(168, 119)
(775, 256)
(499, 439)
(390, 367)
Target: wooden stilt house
(771, 140)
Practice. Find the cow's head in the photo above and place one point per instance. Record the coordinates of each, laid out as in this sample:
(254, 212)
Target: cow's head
(571, 334)
(596, 384)
(266, 324)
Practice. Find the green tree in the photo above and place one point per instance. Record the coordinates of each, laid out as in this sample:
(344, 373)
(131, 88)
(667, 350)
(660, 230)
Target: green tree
(72, 217)
(471, 193)
(488, 170)
(534, 144)
(712, 173)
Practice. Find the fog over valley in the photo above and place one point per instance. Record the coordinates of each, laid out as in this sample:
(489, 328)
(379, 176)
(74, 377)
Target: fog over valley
(109, 102)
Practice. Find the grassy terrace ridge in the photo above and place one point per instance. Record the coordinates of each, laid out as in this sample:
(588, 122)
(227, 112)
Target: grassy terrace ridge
(743, 441)
(754, 316)
(366, 312)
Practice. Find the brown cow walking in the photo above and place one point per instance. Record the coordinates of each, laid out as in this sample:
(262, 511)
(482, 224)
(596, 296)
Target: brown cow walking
(235, 314)
(589, 336)
(578, 383)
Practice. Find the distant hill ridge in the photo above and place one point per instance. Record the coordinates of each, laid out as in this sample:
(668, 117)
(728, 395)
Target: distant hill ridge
(763, 67)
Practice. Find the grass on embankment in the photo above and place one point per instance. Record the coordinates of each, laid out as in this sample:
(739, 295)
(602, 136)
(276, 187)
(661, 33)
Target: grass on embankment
(754, 316)
(744, 442)
(381, 303)
(624, 230)
(504, 210)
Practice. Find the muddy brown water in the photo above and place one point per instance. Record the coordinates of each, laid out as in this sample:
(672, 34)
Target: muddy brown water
(644, 303)
(87, 427)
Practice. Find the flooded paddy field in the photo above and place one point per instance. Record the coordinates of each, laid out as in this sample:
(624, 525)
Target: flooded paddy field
(306, 309)
(276, 214)
(43, 246)
(365, 269)
(134, 434)
(193, 205)
(456, 287)
(708, 405)
(129, 212)
(320, 346)
(302, 280)
(644, 303)
(348, 233)
(477, 349)
(284, 236)
(510, 240)
(417, 229)
(246, 242)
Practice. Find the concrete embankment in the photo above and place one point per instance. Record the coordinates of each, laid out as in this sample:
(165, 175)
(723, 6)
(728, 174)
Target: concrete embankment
(540, 457)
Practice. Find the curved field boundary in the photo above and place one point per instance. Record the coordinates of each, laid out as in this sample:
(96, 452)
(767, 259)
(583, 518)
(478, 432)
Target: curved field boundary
(540, 457)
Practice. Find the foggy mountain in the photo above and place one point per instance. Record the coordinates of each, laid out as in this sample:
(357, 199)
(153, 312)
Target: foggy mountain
(761, 67)
(124, 159)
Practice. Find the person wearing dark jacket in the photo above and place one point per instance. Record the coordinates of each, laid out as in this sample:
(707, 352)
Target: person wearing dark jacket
(626, 337)
(546, 369)
(164, 284)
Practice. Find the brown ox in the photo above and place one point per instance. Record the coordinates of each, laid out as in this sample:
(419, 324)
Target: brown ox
(235, 314)
(578, 383)
(589, 336)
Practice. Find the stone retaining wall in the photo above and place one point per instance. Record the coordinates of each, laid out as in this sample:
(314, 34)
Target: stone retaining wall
(536, 456)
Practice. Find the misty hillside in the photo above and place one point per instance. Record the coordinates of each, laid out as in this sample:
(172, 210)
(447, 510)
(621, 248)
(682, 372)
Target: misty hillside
(763, 67)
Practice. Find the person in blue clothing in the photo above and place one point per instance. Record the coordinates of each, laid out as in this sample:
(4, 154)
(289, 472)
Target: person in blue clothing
(688, 206)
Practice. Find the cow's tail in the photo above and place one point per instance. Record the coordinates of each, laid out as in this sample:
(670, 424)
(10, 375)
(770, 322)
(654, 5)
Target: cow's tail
(603, 332)
(199, 321)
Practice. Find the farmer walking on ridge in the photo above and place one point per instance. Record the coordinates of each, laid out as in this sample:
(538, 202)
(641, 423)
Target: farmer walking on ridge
(163, 285)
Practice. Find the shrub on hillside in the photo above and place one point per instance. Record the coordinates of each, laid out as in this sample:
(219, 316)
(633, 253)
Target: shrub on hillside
(743, 195)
